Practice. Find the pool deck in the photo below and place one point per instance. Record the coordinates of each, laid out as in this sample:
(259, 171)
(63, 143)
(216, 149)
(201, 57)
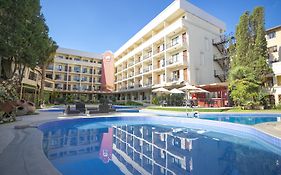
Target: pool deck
(271, 128)
(21, 149)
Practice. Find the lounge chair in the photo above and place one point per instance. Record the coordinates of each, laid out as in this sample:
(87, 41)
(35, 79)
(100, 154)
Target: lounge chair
(80, 107)
(69, 111)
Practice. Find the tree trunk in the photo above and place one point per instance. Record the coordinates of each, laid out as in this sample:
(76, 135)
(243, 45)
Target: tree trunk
(43, 68)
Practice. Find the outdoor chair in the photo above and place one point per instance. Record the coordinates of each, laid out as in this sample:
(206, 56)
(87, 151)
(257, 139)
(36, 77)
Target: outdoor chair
(80, 107)
(69, 111)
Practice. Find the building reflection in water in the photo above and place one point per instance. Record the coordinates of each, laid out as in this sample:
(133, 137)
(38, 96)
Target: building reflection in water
(146, 149)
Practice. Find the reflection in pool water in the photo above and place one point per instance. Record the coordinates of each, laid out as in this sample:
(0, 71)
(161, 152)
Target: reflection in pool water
(155, 149)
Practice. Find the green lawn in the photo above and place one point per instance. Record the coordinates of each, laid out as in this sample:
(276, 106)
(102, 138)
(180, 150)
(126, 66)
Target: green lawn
(212, 109)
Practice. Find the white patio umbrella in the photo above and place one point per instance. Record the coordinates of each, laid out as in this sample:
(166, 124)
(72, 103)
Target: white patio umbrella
(189, 88)
(176, 91)
(199, 90)
(161, 90)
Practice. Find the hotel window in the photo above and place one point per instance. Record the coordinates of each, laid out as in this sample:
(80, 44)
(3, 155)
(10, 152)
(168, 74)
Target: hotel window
(77, 59)
(32, 76)
(271, 35)
(272, 49)
(175, 58)
(59, 67)
(50, 76)
(84, 70)
(175, 40)
(76, 69)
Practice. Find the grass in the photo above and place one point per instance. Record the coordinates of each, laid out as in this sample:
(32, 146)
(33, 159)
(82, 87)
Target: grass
(238, 110)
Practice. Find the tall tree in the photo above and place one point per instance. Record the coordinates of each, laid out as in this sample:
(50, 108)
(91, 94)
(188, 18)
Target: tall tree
(260, 66)
(249, 56)
(242, 36)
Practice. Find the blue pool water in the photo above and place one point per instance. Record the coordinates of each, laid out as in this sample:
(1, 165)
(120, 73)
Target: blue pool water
(113, 146)
(247, 120)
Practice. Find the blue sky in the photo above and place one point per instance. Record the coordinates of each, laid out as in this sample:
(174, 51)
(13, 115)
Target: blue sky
(100, 25)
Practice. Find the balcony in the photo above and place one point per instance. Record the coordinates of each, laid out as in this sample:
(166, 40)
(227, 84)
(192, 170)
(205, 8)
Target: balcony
(146, 56)
(175, 61)
(132, 86)
(147, 84)
(147, 69)
(138, 85)
(131, 64)
(174, 79)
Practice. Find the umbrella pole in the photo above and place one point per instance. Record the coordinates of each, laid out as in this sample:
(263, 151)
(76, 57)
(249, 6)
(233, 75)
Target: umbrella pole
(186, 104)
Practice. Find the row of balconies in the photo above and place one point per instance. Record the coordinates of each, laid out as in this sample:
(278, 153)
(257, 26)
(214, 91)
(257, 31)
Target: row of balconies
(76, 88)
(75, 70)
(173, 60)
(171, 63)
(134, 85)
(130, 62)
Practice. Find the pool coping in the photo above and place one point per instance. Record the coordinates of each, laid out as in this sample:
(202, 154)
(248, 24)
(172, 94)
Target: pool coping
(24, 154)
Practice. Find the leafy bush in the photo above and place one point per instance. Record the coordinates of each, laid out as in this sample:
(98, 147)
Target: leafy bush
(155, 100)
(133, 103)
(8, 90)
(278, 106)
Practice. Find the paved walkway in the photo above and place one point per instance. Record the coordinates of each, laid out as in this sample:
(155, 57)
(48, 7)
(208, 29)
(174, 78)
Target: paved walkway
(21, 150)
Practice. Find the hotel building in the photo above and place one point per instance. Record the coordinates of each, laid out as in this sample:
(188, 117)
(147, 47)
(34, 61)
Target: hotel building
(175, 48)
(76, 72)
(183, 44)
(274, 49)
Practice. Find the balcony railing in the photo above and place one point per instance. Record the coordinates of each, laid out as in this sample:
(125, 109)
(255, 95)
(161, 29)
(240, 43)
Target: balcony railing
(147, 69)
(146, 56)
(175, 60)
(173, 79)
(138, 85)
(131, 64)
(147, 84)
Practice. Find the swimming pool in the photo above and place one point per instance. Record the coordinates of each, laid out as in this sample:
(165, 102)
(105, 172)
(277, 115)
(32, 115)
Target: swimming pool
(157, 145)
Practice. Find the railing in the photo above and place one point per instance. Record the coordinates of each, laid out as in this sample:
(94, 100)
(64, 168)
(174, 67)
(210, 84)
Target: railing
(138, 85)
(173, 79)
(176, 60)
(148, 84)
(147, 69)
(146, 56)
(131, 64)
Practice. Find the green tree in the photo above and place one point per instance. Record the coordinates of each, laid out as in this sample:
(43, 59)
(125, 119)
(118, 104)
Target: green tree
(260, 66)
(243, 86)
(24, 35)
(249, 68)
(242, 35)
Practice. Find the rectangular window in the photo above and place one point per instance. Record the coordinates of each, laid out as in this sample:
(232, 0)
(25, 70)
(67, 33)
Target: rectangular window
(271, 35)
(76, 69)
(32, 76)
(175, 40)
(84, 70)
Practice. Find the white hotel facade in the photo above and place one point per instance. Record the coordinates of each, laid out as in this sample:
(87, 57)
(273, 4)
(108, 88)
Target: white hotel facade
(175, 48)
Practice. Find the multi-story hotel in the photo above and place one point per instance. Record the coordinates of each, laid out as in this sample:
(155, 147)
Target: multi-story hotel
(274, 49)
(183, 44)
(174, 48)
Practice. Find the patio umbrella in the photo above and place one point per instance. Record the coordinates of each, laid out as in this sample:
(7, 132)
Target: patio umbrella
(188, 88)
(161, 91)
(176, 91)
(199, 90)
